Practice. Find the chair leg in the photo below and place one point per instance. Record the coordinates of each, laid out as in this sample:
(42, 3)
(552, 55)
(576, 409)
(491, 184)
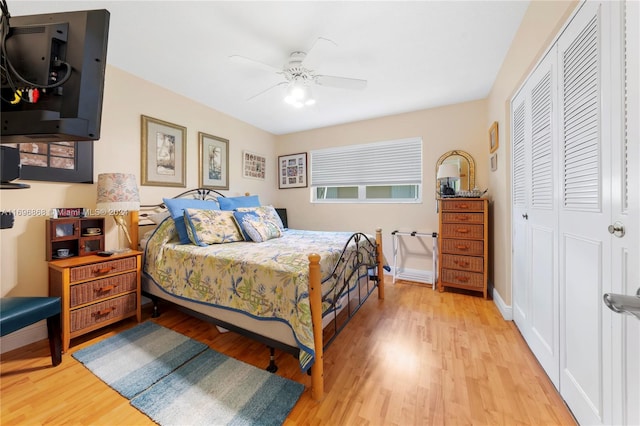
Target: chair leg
(55, 339)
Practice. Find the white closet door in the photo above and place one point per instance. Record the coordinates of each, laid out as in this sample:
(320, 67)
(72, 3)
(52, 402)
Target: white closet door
(576, 170)
(535, 282)
(521, 283)
(626, 212)
(585, 213)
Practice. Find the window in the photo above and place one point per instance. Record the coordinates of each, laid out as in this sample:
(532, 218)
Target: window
(381, 172)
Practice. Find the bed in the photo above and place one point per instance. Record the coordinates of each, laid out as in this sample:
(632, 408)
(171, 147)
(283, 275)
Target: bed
(294, 291)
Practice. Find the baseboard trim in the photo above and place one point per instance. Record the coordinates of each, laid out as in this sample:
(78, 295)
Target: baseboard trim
(30, 334)
(505, 310)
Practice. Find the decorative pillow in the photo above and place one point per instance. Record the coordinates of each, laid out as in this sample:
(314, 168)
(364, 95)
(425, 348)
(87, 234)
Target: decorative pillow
(256, 228)
(266, 213)
(206, 227)
(176, 207)
(239, 217)
(232, 203)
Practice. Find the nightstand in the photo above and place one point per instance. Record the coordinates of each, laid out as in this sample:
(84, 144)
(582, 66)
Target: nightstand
(95, 291)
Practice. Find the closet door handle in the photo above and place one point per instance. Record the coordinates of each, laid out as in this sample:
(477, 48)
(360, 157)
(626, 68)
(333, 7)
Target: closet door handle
(525, 216)
(616, 229)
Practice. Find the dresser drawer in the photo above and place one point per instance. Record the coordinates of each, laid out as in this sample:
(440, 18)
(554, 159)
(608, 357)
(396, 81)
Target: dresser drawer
(97, 270)
(465, 247)
(100, 312)
(91, 291)
(464, 263)
(462, 278)
(462, 205)
(463, 217)
(461, 230)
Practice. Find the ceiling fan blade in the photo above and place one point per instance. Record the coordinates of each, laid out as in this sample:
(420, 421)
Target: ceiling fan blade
(266, 90)
(322, 40)
(341, 82)
(253, 63)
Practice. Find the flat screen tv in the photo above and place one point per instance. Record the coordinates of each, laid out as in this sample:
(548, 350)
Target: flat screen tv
(40, 51)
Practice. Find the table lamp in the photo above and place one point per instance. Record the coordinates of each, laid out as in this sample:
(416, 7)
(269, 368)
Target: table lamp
(118, 195)
(447, 171)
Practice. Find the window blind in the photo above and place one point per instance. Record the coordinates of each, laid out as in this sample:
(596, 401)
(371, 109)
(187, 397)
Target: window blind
(396, 162)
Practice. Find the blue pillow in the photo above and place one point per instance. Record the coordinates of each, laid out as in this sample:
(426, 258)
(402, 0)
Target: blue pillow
(176, 207)
(232, 203)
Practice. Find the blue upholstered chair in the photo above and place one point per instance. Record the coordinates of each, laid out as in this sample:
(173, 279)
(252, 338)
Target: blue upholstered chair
(19, 312)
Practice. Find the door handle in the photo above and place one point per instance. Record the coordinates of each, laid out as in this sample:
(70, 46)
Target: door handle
(616, 229)
(525, 216)
(621, 303)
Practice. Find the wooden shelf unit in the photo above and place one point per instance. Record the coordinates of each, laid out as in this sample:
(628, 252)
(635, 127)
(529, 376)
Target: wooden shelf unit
(71, 233)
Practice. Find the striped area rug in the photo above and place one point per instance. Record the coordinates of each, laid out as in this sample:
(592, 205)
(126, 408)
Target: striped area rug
(176, 380)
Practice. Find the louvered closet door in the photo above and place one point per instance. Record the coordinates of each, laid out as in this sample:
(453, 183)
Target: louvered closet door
(585, 212)
(521, 282)
(535, 282)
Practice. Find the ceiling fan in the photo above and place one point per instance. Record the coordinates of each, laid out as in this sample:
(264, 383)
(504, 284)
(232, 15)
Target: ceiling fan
(299, 78)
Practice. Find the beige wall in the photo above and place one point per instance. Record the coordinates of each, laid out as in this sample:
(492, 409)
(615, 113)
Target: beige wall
(539, 27)
(22, 249)
(461, 126)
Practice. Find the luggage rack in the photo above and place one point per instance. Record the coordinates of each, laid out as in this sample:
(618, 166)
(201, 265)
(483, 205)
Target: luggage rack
(434, 238)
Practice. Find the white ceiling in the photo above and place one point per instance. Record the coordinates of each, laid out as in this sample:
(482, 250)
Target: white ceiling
(415, 55)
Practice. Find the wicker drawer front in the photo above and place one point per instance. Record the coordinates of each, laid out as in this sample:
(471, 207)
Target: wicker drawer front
(463, 205)
(463, 263)
(472, 248)
(103, 268)
(99, 289)
(100, 312)
(459, 230)
(463, 278)
(463, 217)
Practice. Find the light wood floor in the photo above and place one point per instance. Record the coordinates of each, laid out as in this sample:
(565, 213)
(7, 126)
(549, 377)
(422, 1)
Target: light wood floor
(417, 358)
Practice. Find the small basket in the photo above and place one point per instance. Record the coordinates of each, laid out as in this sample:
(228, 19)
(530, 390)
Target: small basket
(476, 193)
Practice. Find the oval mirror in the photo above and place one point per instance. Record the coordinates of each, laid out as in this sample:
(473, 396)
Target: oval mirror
(466, 167)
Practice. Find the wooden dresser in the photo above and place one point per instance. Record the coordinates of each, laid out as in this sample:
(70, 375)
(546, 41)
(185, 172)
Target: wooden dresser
(95, 291)
(464, 245)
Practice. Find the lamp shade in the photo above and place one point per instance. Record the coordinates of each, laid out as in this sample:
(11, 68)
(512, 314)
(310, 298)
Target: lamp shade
(117, 192)
(448, 170)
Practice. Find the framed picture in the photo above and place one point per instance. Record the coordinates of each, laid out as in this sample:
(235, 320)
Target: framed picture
(292, 171)
(253, 165)
(164, 148)
(493, 162)
(493, 137)
(56, 161)
(213, 168)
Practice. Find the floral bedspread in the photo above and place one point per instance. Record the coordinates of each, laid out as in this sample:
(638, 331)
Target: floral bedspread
(267, 280)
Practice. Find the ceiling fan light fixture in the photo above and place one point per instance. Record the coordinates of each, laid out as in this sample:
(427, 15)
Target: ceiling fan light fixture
(299, 95)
